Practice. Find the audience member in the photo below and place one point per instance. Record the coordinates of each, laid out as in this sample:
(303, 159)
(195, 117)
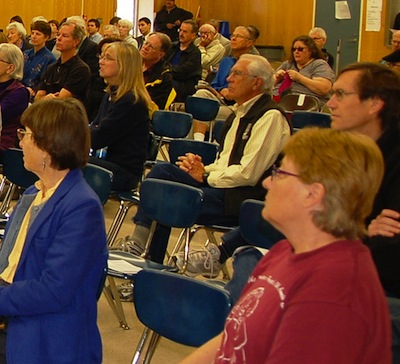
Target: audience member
(87, 52)
(306, 71)
(38, 58)
(122, 124)
(69, 76)
(396, 41)
(157, 72)
(111, 31)
(18, 19)
(93, 27)
(3, 38)
(51, 42)
(319, 37)
(169, 19)
(318, 290)
(224, 41)
(144, 26)
(14, 97)
(16, 34)
(255, 33)
(212, 51)
(185, 60)
(252, 140)
(52, 259)
(114, 20)
(396, 23)
(242, 39)
(124, 27)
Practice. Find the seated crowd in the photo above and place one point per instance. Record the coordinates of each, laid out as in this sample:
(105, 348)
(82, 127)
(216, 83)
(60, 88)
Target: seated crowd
(332, 193)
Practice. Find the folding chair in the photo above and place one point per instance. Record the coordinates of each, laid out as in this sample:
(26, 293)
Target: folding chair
(301, 119)
(15, 173)
(167, 203)
(169, 125)
(290, 103)
(203, 109)
(99, 179)
(182, 309)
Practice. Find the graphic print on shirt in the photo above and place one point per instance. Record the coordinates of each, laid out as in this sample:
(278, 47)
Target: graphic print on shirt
(236, 323)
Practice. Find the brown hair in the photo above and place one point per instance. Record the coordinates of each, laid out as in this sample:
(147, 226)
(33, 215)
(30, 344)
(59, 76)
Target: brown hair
(349, 166)
(61, 128)
(316, 53)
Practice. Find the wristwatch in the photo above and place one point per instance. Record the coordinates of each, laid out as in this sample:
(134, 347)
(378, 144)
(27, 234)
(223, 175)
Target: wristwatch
(205, 176)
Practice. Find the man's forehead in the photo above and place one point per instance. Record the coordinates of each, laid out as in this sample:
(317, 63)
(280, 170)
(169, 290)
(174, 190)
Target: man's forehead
(242, 31)
(348, 79)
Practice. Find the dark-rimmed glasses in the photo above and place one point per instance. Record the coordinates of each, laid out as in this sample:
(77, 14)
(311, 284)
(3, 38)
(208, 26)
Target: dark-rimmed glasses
(148, 44)
(22, 132)
(276, 172)
(340, 93)
(237, 73)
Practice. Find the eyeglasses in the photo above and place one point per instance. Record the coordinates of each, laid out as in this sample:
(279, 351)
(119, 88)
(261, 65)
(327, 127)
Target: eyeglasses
(22, 132)
(2, 60)
(203, 33)
(300, 49)
(236, 73)
(239, 36)
(147, 44)
(276, 172)
(340, 93)
(106, 57)
(395, 41)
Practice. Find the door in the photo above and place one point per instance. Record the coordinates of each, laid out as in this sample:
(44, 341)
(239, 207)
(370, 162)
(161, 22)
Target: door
(343, 34)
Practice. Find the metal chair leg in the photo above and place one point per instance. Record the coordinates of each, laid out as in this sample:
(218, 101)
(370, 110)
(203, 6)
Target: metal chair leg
(115, 302)
(154, 340)
(141, 344)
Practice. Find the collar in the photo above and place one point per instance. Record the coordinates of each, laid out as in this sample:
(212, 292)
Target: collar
(243, 109)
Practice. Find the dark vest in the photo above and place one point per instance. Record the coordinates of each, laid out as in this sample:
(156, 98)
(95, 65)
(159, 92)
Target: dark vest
(235, 196)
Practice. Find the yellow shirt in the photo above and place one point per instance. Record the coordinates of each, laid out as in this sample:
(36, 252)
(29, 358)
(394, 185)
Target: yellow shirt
(15, 255)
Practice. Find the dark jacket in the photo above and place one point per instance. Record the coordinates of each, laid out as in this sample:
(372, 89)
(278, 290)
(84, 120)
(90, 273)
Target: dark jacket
(164, 17)
(158, 81)
(386, 251)
(187, 72)
(235, 196)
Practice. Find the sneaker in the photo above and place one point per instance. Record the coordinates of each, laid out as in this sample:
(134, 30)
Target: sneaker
(125, 291)
(126, 244)
(204, 261)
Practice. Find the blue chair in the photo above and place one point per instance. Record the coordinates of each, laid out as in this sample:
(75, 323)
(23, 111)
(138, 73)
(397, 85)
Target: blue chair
(207, 151)
(301, 119)
(15, 173)
(218, 125)
(170, 204)
(99, 179)
(254, 228)
(169, 125)
(179, 308)
(203, 109)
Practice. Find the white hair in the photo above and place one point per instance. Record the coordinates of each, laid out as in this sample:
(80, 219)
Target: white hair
(78, 21)
(319, 31)
(126, 22)
(260, 67)
(18, 27)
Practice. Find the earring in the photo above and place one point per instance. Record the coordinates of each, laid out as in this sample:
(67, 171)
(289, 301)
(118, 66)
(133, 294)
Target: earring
(44, 164)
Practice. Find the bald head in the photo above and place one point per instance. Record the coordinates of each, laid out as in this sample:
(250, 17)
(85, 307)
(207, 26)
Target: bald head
(396, 40)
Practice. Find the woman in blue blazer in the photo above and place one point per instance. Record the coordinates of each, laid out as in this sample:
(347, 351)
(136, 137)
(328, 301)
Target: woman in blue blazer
(54, 250)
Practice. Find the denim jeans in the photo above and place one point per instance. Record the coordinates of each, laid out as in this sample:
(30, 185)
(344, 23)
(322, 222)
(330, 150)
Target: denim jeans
(212, 211)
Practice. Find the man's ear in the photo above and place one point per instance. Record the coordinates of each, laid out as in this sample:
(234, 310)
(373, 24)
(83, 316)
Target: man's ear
(376, 104)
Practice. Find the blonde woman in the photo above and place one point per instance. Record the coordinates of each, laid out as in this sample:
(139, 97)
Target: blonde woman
(122, 124)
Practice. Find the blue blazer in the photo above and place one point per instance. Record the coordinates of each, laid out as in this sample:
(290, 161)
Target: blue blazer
(52, 303)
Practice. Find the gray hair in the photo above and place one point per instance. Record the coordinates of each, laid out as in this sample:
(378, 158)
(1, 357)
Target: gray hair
(320, 31)
(78, 21)
(114, 29)
(78, 32)
(164, 39)
(12, 54)
(126, 22)
(260, 67)
(18, 27)
(37, 18)
(208, 27)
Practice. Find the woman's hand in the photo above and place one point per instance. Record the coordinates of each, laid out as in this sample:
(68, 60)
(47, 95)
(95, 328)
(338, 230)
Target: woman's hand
(385, 224)
(279, 75)
(294, 75)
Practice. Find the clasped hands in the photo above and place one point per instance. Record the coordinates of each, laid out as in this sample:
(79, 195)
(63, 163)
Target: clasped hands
(293, 75)
(193, 165)
(387, 223)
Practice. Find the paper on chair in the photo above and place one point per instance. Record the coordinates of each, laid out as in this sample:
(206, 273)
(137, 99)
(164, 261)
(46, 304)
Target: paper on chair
(123, 266)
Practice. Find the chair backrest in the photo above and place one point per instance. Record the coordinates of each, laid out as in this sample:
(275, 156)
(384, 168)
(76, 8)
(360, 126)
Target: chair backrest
(14, 170)
(100, 179)
(182, 309)
(202, 109)
(170, 203)
(255, 230)
(293, 102)
(171, 124)
(207, 151)
(217, 130)
(301, 119)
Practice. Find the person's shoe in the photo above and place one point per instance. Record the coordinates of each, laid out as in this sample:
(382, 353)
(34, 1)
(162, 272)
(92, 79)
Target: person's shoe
(202, 262)
(125, 291)
(126, 244)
